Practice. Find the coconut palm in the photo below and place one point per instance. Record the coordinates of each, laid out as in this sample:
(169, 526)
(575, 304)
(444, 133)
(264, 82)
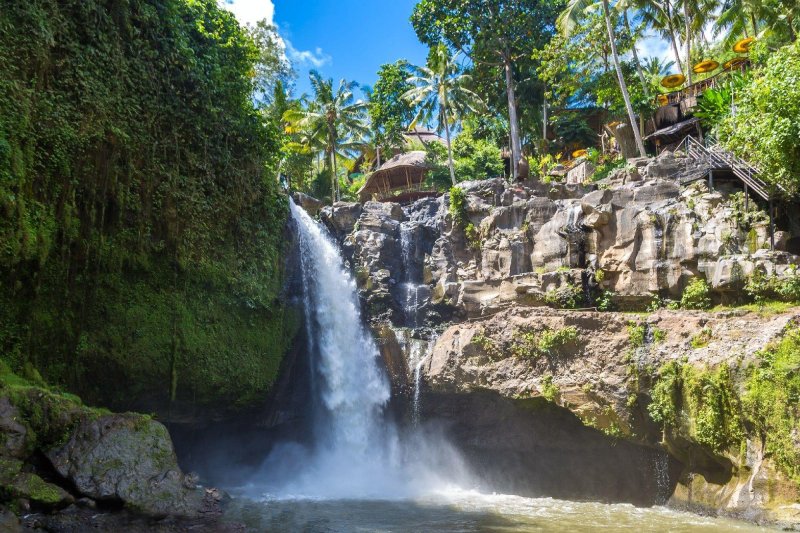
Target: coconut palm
(440, 92)
(663, 17)
(695, 15)
(567, 22)
(656, 67)
(333, 122)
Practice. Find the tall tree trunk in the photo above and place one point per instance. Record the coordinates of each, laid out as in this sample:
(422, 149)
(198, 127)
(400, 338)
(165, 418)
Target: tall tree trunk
(688, 25)
(335, 178)
(673, 37)
(544, 121)
(639, 70)
(622, 85)
(513, 119)
(449, 150)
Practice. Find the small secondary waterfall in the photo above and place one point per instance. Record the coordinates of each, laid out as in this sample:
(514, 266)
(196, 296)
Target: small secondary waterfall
(357, 451)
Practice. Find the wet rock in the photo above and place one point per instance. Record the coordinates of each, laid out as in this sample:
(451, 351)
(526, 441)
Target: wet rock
(309, 203)
(126, 458)
(13, 435)
(341, 217)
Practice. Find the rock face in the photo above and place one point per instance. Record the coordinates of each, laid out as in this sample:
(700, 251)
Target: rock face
(604, 374)
(513, 244)
(566, 403)
(128, 459)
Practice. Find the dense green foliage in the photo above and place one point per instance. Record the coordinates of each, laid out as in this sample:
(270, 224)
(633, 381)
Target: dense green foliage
(766, 126)
(140, 220)
(719, 407)
(531, 344)
(702, 402)
(499, 37)
(390, 114)
(696, 295)
(772, 402)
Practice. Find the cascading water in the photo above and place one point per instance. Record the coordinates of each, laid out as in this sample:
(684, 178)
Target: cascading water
(356, 451)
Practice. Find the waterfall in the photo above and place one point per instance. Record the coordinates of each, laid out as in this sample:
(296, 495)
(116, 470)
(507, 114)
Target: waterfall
(356, 450)
(418, 358)
(411, 285)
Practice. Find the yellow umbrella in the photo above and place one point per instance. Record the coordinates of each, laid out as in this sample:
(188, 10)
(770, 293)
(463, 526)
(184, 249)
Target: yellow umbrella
(673, 80)
(743, 46)
(579, 153)
(663, 99)
(705, 66)
(733, 63)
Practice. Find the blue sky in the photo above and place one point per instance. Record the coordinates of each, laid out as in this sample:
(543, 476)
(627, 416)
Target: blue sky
(342, 39)
(352, 38)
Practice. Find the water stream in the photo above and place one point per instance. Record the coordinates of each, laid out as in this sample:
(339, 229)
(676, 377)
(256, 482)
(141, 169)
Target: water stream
(356, 450)
(361, 473)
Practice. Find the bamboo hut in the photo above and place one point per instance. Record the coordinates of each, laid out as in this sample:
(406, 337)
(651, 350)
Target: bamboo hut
(400, 179)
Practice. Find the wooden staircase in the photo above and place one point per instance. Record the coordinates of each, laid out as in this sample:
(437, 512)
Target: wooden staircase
(713, 157)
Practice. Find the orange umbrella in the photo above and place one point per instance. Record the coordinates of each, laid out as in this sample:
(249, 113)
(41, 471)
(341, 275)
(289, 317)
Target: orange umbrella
(705, 66)
(579, 153)
(733, 63)
(743, 46)
(673, 80)
(662, 99)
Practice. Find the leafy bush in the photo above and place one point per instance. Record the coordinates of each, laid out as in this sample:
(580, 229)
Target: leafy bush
(765, 128)
(762, 288)
(551, 340)
(568, 296)
(458, 205)
(696, 295)
(529, 344)
(549, 390)
(476, 159)
(605, 302)
(637, 334)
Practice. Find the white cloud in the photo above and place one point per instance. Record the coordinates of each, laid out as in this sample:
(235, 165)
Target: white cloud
(315, 59)
(252, 11)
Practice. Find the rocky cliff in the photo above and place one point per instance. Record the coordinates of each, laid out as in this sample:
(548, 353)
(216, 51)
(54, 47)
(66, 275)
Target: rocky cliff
(492, 305)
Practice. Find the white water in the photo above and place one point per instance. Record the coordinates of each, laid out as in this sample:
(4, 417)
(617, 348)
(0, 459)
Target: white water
(357, 452)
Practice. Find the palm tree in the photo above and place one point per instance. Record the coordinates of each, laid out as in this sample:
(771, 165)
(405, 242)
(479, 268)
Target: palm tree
(656, 67)
(440, 91)
(568, 20)
(695, 14)
(333, 122)
(663, 17)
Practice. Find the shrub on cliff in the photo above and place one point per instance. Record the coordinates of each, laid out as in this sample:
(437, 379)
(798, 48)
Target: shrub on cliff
(696, 295)
(772, 402)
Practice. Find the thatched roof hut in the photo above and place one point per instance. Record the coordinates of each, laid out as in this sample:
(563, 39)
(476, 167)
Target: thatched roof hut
(423, 135)
(399, 176)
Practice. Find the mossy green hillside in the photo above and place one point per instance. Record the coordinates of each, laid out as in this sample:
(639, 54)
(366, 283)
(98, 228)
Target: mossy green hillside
(141, 225)
(721, 407)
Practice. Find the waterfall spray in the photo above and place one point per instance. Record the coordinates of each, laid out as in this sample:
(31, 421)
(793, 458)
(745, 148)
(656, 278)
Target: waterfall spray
(357, 451)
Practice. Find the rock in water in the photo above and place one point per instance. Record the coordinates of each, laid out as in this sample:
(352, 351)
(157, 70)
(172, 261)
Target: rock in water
(130, 459)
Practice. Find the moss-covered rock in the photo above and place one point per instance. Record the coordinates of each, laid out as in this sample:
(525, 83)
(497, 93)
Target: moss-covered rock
(126, 458)
(119, 458)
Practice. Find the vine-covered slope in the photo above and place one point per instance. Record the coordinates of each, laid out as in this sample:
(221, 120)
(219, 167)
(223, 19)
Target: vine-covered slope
(141, 226)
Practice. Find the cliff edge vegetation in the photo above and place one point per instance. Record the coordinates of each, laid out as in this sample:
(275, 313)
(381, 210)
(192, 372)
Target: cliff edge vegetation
(141, 224)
